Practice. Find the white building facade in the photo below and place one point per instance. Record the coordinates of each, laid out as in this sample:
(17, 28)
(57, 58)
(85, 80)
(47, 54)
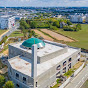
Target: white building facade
(7, 22)
(77, 18)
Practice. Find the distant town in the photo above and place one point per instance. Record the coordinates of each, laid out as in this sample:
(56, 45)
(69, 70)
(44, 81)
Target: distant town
(43, 47)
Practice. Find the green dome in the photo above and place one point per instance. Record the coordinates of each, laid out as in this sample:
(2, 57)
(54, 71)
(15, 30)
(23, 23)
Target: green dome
(29, 42)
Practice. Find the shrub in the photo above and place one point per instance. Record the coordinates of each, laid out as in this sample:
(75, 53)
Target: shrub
(69, 22)
(53, 28)
(57, 80)
(56, 23)
(9, 84)
(2, 80)
(78, 26)
(33, 24)
(69, 73)
(67, 28)
(3, 40)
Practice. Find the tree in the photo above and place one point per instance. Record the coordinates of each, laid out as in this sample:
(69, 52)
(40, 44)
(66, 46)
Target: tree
(24, 24)
(2, 80)
(56, 23)
(9, 84)
(33, 24)
(25, 32)
(27, 26)
(69, 22)
(22, 28)
(78, 26)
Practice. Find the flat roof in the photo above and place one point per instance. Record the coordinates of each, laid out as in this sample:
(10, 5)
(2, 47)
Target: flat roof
(6, 16)
(23, 64)
(49, 48)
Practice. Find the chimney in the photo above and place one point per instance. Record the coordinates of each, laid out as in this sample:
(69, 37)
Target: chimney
(34, 61)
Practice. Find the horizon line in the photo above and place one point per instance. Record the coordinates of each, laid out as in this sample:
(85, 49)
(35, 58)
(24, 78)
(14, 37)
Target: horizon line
(41, 6)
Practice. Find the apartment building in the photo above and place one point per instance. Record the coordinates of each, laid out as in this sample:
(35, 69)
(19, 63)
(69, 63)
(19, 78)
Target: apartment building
(7, 22)
(77, 18)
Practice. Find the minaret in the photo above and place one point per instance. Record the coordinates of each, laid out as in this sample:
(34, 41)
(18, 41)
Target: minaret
(34, 61)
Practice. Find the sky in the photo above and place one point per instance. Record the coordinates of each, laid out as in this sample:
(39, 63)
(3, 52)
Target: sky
(44, 3)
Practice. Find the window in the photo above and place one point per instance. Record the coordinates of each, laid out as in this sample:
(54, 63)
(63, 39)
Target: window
(58, 73)
(58, 67)
(64, 63)
(17, 75)
(17, 85)
(64, 70)
(69, 66)
(69, 60)
(79, 59)
(36, 84)
(24, 79)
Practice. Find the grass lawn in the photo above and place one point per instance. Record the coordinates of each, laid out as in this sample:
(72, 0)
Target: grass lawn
(69, 73)
(2, 31)
(81, 36)
(16, 34)
(55, 86)
(85, 85)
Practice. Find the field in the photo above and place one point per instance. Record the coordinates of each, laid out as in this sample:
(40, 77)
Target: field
(16, 34)
(85, 85)
(81, 36)
(44, 36)
(56, 35)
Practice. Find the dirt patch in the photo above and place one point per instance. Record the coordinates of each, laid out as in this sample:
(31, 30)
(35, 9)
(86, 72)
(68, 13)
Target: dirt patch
(5, 52)
(44, 36)
(77, 65)
(57, 36)
(3, 70)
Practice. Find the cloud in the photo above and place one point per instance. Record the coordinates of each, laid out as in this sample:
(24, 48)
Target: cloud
(43, 3)
(24, 0)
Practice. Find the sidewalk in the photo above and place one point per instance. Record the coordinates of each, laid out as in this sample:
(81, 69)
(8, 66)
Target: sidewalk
(79, 80)
(3, 33)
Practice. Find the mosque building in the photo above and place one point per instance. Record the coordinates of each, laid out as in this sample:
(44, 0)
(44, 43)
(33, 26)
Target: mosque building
(34, 63)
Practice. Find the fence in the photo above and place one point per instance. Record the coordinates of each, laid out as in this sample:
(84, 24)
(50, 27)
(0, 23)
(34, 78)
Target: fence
(70, 78)
(79, 69)
(65, 83)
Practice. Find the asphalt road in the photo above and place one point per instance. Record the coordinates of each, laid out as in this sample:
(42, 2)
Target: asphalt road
(79, 80)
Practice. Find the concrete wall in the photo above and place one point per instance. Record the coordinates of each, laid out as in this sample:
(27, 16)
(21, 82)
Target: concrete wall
(49, 77)
(52, 55)
(13, 51)
(12, 75)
